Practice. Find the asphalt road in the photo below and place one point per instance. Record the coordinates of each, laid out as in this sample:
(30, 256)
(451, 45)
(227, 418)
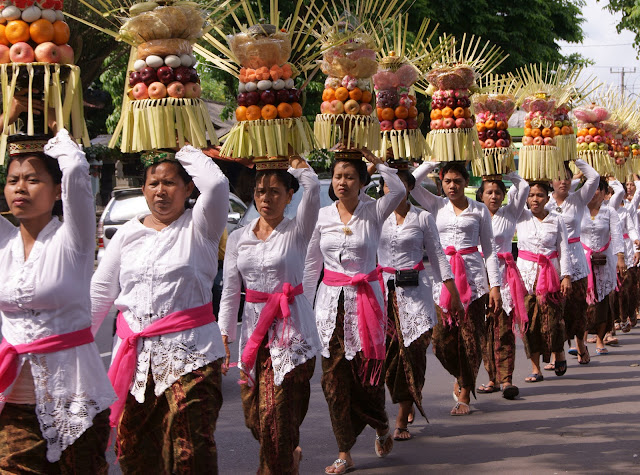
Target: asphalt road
(587, 421)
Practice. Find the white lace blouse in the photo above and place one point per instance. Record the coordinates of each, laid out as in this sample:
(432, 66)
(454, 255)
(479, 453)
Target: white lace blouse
(542, 237)
(402, 246)
(503, 223)
(572, 210)
(265, 266)
(627, 226)
(348, 249)
(470, 228)
(150, 274)
(48, 294)
(596, 232)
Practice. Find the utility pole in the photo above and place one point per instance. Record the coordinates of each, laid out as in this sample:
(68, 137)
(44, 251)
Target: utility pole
(622, 72)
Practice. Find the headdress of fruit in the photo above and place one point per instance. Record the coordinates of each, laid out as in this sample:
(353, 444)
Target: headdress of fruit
(595, 132)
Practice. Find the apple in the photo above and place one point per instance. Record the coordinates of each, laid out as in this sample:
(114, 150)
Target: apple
(337, 107)
(580, 139)
(192, 90)
(411, 123)
(268, 96)
(366, 109)
(619, 161)
(140, 91)
(503, 134)
(324, 107)
(282, 96)
(598, 139)
(492, 134)
(157, 90)
(194, 75)
(593, 146)
(242, 99)
(461, 123)
(294, 95)
(183, 74)
(588, 138)
(21, 52)
(253, 97)
(527, 141)
(134, 78)
(501, 143)
(538, 141)
(603, 146)
(165, 75)
(557, 123)
(400, 124)
(148, 75)
(450, 102)
(482, 135)
(448, 123)
(567, 123)
(176, 89)
(386, 125)
(489, 143)
(5, 57)
(436, 124)
(67, 55)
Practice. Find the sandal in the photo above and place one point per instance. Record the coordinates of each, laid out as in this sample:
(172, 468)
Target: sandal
(602, 351)
(340, 466)
(611, 340)
(510, 392)
(401, 430)
(458, 406)
(412, 415)
(550, 367)
(626, 327)
(488, 389)
(534, 378)
(592, 339)
(573, 351)
(561, 368)
(380, 445)
(584, 358)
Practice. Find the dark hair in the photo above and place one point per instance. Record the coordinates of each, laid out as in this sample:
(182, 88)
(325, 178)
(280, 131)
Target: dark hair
(456, 167)
(603, 184)
(480, 191)
(405, 176)
(186, 178)
(284, 177)
(361, 169)
(568, 171)
(53, 170)
(542, 184)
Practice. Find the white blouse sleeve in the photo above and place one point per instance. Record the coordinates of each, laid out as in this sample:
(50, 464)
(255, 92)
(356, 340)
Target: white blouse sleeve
(591, 184)
(631, 227)
(212, 207)
(618, 194)
(562, 244)
(105, 283)
(6, 230)
(307, 214)
(518, 194)
(424, 197)
(489, 248)
(439, 263)
(635, 201)
(313, 266)
(617, 244)
(232, 286)
(77, 196)
(397, 192)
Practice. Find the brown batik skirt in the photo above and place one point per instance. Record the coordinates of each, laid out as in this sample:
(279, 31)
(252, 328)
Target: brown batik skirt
(275, 413)
(545, 334)
(600, 313)
(624, 299)
(405, 366)
(23, 449)
(575, 312)
(353, 401)
(459, 347)
(634, 294)
(173, 433)
(499, 346)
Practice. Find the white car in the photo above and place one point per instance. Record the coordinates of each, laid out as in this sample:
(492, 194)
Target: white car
(128, 203)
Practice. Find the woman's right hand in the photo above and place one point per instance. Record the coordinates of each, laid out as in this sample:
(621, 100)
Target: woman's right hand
(370, 156)
(225, 364)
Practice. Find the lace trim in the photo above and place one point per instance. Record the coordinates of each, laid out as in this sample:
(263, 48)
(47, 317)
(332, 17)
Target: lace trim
(415, 317)
(326, 310)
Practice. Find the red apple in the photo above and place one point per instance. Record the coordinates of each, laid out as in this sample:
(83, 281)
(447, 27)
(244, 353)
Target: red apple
(412, 123)
(183, 74)
(294, 95)
(5, 57)
(448, 123)
(140, 91)
(461, 123)
(282, 96)
(492, 134)
(157, 90)
(193, 90)
(21, 52)
(268, 97)
(176, 89)
(436, 124)
(489, 143)
(386, 125)
(48, 52)
(400, 124)
(194, 75)
(501, 143)
(165, 75)
(450, 102)
(134, 78)
(148, 75)
(67, 55)
(242, 99)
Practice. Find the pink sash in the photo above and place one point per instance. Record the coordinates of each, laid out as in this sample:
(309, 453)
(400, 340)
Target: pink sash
(277, 306)
(548, 280)
(518, 291)
(460, 277)
(390, 270)
(574, 240)
(591, 289)
(124, 364)
(625, 235)
(49, 344)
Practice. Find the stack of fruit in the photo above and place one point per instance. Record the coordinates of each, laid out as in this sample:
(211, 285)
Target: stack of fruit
(267, 93)
(595, 137)
(347, 96)
(564, 133)
(155, 77)
(34, 32)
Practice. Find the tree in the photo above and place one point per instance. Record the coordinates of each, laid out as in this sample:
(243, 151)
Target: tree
(630, 10)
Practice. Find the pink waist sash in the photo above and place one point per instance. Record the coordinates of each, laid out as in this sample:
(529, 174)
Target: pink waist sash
(390, 270)
(460, 277)
(9, 353)
(591, 289)
(574, 240)
(548, 280)
(625, 235)
(518, 291)
(124, 364)
(370, 316)
(277, 306)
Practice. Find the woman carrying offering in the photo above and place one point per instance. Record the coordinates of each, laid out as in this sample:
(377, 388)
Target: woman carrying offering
(499, 348)
(463, 224)
(54, 391)
(571, 206)
(604, 250)
(544, 263)
(158, 271)
(279, 339)
(406, 234)
(349, 305)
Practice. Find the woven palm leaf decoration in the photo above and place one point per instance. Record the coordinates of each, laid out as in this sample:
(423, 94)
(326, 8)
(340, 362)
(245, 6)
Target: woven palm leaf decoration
(626, 116)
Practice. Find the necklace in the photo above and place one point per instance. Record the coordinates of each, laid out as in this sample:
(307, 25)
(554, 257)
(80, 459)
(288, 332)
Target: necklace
(347, 230)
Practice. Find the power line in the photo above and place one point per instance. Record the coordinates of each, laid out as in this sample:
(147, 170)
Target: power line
(622, 72)
(595, 46)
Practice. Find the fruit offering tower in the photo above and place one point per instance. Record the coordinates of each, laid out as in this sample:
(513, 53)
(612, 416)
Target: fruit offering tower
(494, 108)
(37, 62)
(595, 137)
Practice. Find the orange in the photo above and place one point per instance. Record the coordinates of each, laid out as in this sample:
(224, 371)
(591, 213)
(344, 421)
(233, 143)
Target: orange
(401, 112)
(17, 31)
(413, 99)
(501, 125)
(241, 113)
(61, 32)
(547, 132)
(557, 131)
(527, 124)
(536, 132)
(41, 31)
(601, 132)
(447, 112)
(3, 37)
(297, 109)
(566, 130)
(355, 94)
(387, 114)
(435, 114)
(481, 127)
(458, 112)
(491, 124)
(269, 112)
(593, 131)
(379, 111)
(342, 94)
(285, 110)
(527, 132)
(366, 96)
(328, 94)
(413, 112)
(253, 112)
(583, 132)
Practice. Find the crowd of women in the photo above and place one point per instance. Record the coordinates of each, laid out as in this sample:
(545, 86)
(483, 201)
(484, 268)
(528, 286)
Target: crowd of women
(345, 283)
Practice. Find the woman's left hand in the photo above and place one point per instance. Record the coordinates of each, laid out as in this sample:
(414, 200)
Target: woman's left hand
(495, 299)
(565, 285)
(621, 266)
(370, 156)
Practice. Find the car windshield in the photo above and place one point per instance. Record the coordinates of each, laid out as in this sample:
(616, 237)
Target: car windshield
(125, 208)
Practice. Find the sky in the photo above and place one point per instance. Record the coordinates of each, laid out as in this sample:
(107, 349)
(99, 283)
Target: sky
(607, 48)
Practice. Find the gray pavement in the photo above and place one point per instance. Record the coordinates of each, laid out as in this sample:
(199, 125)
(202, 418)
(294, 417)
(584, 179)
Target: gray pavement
(587, 421)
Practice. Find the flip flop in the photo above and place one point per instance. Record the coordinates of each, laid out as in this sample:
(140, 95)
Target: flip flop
(592, 339)
(341, 465)
(412, 415)
(510, 392)
(573, 351)
(537, 377)
(611, 341)
(550, 367)
(402, 439)
(561, 368)
(602, 351)
(581, 356)
(380, 442)
(488, 389)
(458, 404)
(455, 396)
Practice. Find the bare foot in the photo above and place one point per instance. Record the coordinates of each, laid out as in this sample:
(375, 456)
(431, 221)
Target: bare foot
(342, 464)
(297, 458)
(461, 409)
(402, 433)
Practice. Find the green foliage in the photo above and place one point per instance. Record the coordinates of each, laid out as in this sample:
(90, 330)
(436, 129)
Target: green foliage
(103, 153)
(630, 10)
(112, 80)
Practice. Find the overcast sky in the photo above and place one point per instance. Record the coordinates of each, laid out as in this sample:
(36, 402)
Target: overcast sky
(606, 47)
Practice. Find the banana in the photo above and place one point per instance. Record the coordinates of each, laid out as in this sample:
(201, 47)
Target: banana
(141, 7)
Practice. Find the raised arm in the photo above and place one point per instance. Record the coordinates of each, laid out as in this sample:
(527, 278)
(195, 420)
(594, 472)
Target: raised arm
(105, 283)
(631, 227)
(517, 196)
(313, 266)
(489, 248)
(562, 244)
(397, 192)
(590, 185)
(635, 201)
(439, 264)
(77, 197)
(307, 214)
(615, 230)
(618, 194)
(424, 197)
(212, 207)
(230, 301)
